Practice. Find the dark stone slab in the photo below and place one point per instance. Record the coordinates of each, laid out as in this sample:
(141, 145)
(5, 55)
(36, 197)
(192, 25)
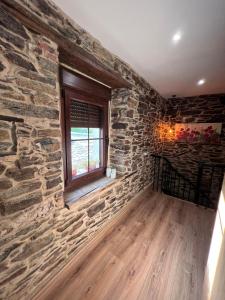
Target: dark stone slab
(6, 45)
(3, 86)
(5, 253)
(75, 236)
(93, 210)
(54, 182)
(5, 134)
(27, 160)
(11, 38)
(53, 267)
(48, 144)
(119, 125)
(54, 156)
(2, 67)
(37, 77)
(20, 204)
(47, 65)
(130, 113)
(5, 147)
(33, 247)
(49, 133)
(193, 112)
(20, 61)
(21, 174)
(112, 200)
(66, 31)
(28, 229)
(75, 227)
(3, 267)
(29, 110)
(11, 23)
(17, 272)
(47, 9)
(5, 184)
(10, 119)
(69, 223)
(39, 233)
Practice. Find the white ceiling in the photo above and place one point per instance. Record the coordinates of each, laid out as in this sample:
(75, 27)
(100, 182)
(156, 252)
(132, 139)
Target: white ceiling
(140, 32)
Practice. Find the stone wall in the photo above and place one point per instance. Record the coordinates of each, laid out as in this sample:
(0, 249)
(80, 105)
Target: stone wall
(38, 234)
(200, 109)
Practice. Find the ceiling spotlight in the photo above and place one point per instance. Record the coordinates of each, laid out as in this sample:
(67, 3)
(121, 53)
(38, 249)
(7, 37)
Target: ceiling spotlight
(201, 81)
(176, 37)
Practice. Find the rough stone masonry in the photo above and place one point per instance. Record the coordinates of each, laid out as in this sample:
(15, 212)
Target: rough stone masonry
(38, 234)
(185, 157)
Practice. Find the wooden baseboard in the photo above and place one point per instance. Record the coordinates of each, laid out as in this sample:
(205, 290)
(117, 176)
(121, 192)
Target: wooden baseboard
(87, 248)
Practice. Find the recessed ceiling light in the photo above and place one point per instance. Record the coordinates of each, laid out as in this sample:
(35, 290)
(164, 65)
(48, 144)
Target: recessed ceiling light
(176, 37)
(201, 81)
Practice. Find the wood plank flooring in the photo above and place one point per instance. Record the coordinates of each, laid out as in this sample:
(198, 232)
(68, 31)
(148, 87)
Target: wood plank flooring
(158, 252)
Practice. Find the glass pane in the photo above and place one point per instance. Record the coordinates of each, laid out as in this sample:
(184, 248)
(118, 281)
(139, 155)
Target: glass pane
(94, 133)
(79, 153)
(94, 157)
(79, 133)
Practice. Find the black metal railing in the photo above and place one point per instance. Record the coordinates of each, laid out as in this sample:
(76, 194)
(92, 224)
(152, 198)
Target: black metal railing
(209, 183)
(205, 191)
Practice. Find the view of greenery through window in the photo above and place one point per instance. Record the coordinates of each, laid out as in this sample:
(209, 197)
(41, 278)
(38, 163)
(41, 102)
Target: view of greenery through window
(85, 150)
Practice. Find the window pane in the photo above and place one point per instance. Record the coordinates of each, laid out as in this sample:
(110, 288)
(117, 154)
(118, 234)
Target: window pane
(79, 153)
(79, 133)
(94, 133)
(94, 157)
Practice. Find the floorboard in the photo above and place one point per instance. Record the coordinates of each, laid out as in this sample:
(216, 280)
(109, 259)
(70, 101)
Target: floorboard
(158, 252)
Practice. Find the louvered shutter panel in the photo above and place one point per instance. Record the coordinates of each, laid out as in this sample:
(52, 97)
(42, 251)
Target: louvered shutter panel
(85, 115)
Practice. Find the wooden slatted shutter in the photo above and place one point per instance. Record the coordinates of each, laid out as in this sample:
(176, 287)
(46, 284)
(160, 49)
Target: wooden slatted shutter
(85, 115)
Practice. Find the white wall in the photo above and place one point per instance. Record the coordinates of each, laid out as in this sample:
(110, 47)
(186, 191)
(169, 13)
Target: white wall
(214, 285)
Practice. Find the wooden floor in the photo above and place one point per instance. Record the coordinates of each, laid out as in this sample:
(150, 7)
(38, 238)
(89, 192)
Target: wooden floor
(158, 252)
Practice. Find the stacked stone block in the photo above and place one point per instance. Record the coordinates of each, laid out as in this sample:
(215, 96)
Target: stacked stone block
(185, 157)
(38, 233)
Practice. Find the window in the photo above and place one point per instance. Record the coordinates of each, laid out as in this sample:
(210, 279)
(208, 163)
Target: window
(86, 137)
(85, 127)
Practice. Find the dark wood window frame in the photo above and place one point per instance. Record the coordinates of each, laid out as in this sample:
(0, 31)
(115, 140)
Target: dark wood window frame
(77, 87)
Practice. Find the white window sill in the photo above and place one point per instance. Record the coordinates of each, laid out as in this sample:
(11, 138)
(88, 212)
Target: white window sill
(72, 197)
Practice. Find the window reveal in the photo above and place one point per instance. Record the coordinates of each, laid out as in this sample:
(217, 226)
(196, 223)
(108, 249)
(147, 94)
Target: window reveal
(85, 128)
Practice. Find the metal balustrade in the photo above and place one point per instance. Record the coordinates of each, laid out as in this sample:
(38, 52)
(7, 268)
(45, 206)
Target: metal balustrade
(205, 191)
